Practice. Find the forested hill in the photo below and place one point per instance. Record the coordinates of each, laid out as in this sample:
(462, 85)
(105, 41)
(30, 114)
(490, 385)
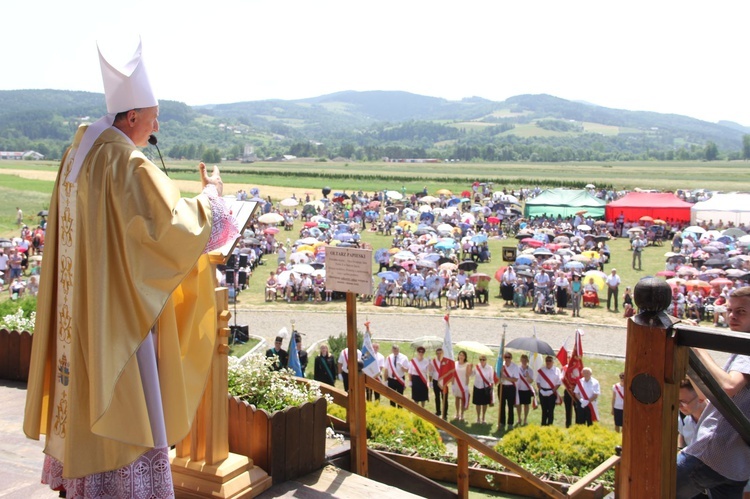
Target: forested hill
(375, 124)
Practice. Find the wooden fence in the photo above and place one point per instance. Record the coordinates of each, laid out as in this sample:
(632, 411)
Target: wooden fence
(15, 355)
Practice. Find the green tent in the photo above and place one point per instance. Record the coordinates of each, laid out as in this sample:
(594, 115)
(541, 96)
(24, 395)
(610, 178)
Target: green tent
(564, 202)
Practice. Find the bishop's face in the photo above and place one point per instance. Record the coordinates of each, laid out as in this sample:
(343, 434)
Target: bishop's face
(141, 124)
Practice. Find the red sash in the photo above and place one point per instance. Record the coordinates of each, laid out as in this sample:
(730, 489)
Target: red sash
(619, 392)
(446, 373)
(461, 387)
(594, 415)
(531, 388)
(419, 372)
(486, 383)
(558, 399)
(394, 375)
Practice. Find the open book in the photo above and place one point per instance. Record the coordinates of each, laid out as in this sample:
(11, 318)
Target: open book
(241, 211)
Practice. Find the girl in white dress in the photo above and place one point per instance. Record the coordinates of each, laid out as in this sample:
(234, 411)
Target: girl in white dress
(461, 385)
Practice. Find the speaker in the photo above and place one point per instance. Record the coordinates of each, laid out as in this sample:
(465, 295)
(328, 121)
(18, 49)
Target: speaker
(232, 261)
(240, 333)
(509, 253)
(230, 277)
(241, 278)
(243, 261)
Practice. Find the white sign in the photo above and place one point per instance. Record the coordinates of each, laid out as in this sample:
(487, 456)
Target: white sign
(349, 270)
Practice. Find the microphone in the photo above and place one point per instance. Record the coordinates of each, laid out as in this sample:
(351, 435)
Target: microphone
(152, 140)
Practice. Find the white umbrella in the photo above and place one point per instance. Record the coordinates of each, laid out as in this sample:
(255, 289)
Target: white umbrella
(584, 227)
(299, 257)
(695, 229)
(270, 218)
(394, 195)
(303, 268)
(428, 199)
(289, 202)
(590, 186)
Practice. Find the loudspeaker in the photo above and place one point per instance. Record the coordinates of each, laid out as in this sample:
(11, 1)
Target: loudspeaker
(232, 261)
(240, 333)
(230, 277)
(241, 278)
(243, 261)
(509, 253)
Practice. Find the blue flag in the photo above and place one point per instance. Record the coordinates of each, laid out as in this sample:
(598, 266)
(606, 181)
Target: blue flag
(369, 361)
(294, 364)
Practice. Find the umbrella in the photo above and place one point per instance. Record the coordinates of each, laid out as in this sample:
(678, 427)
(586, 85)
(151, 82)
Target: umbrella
(444, 192)
(479, 238)
(428, 342)
(524, 260)
(574, 265)
(468, 265)
(388, 275)
(534, 243)
(697, 284)
(588, 186)
(303, 268)
(474, 347)
(426, 264)
(270, 218)
(45, 213)
(734, 232)
(695, 229)
(646, 218)
(6, 243)
(394, 195)
(720, 281)
(475, 278)
(271, 230)
(299, 258)
(493, 220)
(531, 344)
(404, 255)
(448, 266)
(665, 273)
(730, 272)
(583, 227)
(289, 202)
(428, 199)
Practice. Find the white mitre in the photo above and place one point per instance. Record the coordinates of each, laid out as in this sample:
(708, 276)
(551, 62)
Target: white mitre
(124, 90)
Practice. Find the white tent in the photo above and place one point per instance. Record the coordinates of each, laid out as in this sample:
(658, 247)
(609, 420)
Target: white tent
(725, 207)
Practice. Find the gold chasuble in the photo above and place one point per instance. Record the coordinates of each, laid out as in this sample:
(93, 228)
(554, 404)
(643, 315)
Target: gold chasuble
(124, 256)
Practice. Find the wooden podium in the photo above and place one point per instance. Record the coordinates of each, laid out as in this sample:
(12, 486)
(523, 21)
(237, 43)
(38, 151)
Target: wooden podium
(202, 465)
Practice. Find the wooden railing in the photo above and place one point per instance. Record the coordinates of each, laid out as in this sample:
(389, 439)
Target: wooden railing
(465, 440)
(658, 358)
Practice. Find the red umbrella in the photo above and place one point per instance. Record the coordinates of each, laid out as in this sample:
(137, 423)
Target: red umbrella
(694, 284)
(493, 220)
(499, 273)
(665, 273)
(271, 230)
(534, 243)
(374, 204)
(466, 194)
(311, 224)
(475, 278)
(720, 281)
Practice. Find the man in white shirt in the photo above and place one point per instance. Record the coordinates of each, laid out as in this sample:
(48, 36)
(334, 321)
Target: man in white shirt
(380, 360)
(396, 365)
(613, 285)
(344, 366)
(548, 380)
(638, 244)
(508, 375)
(587, 392)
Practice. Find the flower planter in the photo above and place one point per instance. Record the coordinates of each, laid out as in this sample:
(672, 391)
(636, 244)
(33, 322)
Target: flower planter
(499, 481)
(15, 354)
(286, 444)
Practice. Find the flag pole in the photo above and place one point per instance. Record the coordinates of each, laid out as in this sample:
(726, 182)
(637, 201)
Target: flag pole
(358, 417)
(499, 373)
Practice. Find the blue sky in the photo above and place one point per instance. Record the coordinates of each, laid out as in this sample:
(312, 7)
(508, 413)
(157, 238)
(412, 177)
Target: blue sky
(672, 57)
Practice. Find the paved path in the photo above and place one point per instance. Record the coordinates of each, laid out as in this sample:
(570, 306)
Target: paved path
(599, 340)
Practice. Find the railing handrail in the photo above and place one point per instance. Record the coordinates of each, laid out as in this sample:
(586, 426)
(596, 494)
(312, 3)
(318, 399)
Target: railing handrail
(340, 397)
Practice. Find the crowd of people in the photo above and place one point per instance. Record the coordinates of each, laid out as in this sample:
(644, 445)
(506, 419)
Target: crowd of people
(20, 260)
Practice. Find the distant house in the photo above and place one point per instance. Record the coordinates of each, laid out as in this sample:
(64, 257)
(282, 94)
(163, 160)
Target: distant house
(27, 155)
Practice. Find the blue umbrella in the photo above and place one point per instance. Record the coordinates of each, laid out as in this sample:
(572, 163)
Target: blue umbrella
(388, 275)
(444, 245)
(524, 260)
(343, 236)
(453, 201)
(379, 253)
(574, 265)
(479, 238)
(426, 216)
(541, 237)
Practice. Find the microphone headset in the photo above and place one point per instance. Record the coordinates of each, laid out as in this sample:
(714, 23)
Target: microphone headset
(152, 140)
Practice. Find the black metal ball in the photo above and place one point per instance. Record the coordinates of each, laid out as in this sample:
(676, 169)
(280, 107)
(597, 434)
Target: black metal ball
(652, 294)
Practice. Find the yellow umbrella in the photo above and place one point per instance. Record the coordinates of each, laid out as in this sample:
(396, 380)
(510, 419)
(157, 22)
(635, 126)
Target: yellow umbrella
(598, 281)
(393, 251)
(445, 192)
(306, 247)
(591, 254)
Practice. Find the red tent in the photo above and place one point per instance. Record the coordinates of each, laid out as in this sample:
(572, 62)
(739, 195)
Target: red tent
(661, 205)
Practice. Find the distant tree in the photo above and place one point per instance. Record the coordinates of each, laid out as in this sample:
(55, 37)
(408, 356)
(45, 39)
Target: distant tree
(711, 152)
(211, 155)
(746, 147)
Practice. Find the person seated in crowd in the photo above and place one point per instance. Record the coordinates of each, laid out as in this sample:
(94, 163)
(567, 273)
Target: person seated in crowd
(17, 288)
(420, 297)
(434, 292)
(291, 288)
(677, 306)
(319, 285)
(590, 294)
(467, 294)
(695, 305)
(720, 311)
(305, 288)
(520, 292)
(451, 293)
(483, 291)
(627, 303)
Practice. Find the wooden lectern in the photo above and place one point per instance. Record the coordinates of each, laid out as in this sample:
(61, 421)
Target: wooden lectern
(202, 465)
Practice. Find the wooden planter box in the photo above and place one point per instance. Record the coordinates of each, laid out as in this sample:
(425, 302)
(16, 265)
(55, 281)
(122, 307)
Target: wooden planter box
(15, 355)
(481, 478)
(286, 444)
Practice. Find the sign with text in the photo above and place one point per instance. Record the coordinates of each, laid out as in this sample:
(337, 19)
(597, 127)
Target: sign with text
(349, 270)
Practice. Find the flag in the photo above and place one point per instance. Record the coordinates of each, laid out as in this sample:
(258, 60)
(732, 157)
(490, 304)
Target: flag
(499, 361)
(562, 354)
(447, 342)
(575, 364)
(294, 364)
(369, 361)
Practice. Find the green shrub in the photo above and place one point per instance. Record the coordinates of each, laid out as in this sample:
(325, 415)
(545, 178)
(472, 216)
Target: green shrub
(338, 343)
(397, 430)
(15, 314)
(558, 452)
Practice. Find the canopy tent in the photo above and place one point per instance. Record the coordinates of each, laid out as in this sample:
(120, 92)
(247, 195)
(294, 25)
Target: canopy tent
(564, 202)
(662, 205)
(725, 207)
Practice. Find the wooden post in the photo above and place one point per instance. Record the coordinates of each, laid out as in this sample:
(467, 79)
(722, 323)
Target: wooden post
(202, 465)
(357, 411)
(654, 366)
(462, 478)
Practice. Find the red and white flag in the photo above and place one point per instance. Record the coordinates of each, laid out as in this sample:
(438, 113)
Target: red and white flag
(575, 364)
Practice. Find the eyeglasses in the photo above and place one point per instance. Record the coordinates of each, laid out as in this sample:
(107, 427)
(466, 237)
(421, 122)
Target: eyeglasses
(483, 360)
(682, 402)
(508, 357)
